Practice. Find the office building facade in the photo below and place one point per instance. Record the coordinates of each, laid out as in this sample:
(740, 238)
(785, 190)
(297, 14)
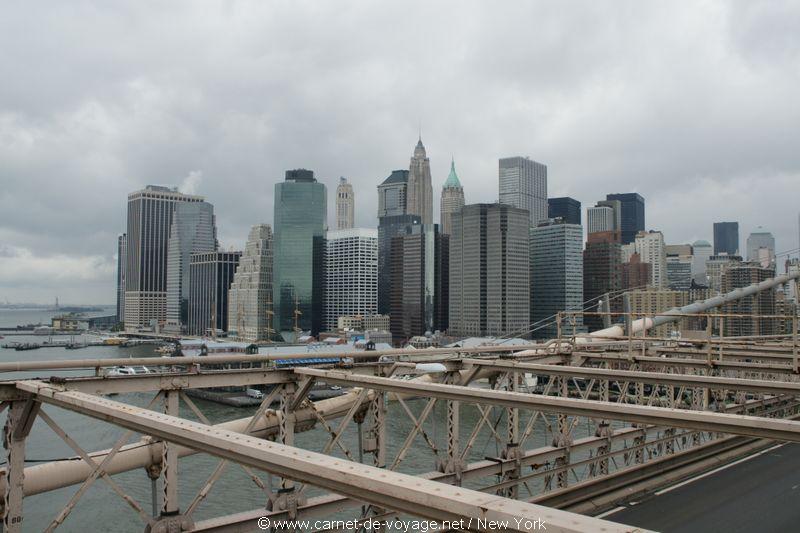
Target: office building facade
(150, 213)
(726, 238)
(701, 253)
(193, 230)
(209, 281)
(632, 214)
(650, 247)
(600, 219)
(601, 273)
(761, 248)
(250, 315)
(351, 275)
(523, 184)
(757, 305)
(122, 259)
(566, 208)
(489, 271)
(419, 282)
(300, 222)
(556, 271)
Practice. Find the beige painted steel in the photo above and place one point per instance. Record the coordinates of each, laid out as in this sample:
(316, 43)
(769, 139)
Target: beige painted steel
(783, 430)
(393, 490)
(680, 380)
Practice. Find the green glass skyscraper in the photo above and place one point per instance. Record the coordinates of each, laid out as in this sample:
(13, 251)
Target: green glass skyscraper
(300, 220)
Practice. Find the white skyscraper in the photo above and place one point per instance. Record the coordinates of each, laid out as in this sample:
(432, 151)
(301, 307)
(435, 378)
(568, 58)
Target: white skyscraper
(701, 253)
(600, 218)
(419, 189)
(250, 295)
(650, 247)
(523, 184)
(345, 205)
(351, 275)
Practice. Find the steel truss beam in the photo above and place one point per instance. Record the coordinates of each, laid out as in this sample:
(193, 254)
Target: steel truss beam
(783, 430)
(400, 492)
(678, 380)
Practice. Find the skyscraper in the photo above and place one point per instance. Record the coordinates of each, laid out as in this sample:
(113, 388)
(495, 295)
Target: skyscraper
(679, 272)
(556, 271)
(566, 208)
(701, 252)
(761, 303)
(631, 214)
(761, 248)
(393, 219)
(452, 199)
(122, 260)
(210, 277)
(345, 205)
(601, 271)
(489, 271)
(726, 238)
(600, 219)
(193, 230)
(523, 184)
(650, 247)
(300, 220)
(150, 212)
(419, 275)
(250, 294)
(420, 190)
(351, 275)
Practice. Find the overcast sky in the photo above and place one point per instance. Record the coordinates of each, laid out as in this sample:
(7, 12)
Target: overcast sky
(695, 105)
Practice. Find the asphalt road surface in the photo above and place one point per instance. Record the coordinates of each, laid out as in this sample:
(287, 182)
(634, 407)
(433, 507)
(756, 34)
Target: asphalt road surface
(757, 495)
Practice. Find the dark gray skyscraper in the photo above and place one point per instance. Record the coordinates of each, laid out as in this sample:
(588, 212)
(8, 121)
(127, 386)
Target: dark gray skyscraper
(632, 214)
(726, 238)
(210, 277)
(122, 253)
(149, 222)
(393, 220)
(300, 220)
(567, 208)
(489, 271)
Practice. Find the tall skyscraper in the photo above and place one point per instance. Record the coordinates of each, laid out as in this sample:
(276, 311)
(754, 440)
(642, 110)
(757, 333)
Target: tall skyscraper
(300, 221)
(701, 253)
(556, 273)
(345, 205)
(150, 212)
(122, 260)
(420, 190)
(616, 207)
(650, 247)
(600, 219)
(393, 220)
(761, 248)
(489, 271)
(631, 214)
(679, 272)
(419, 276)
(565, 208)
(351, 275)
(716, 267)
(726, 238)
(210, 277)
(601, 271)
(193, 230)
(452, 199)
(250, 314)
(523, 184)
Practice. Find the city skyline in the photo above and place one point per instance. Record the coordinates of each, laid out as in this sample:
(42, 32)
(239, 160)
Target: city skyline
(603, 121)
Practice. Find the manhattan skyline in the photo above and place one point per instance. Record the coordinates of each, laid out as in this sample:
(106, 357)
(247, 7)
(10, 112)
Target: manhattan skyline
(693, 111)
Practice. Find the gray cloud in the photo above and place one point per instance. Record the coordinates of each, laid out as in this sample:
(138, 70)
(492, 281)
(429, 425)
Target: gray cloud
(692, 106)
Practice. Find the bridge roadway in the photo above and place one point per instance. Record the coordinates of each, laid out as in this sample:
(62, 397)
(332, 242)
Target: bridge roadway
(760, 493)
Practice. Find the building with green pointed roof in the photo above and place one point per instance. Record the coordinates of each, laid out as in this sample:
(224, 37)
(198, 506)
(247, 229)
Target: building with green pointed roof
(452, 199)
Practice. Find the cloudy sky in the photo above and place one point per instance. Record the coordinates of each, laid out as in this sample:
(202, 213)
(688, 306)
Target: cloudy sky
(693, 105)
